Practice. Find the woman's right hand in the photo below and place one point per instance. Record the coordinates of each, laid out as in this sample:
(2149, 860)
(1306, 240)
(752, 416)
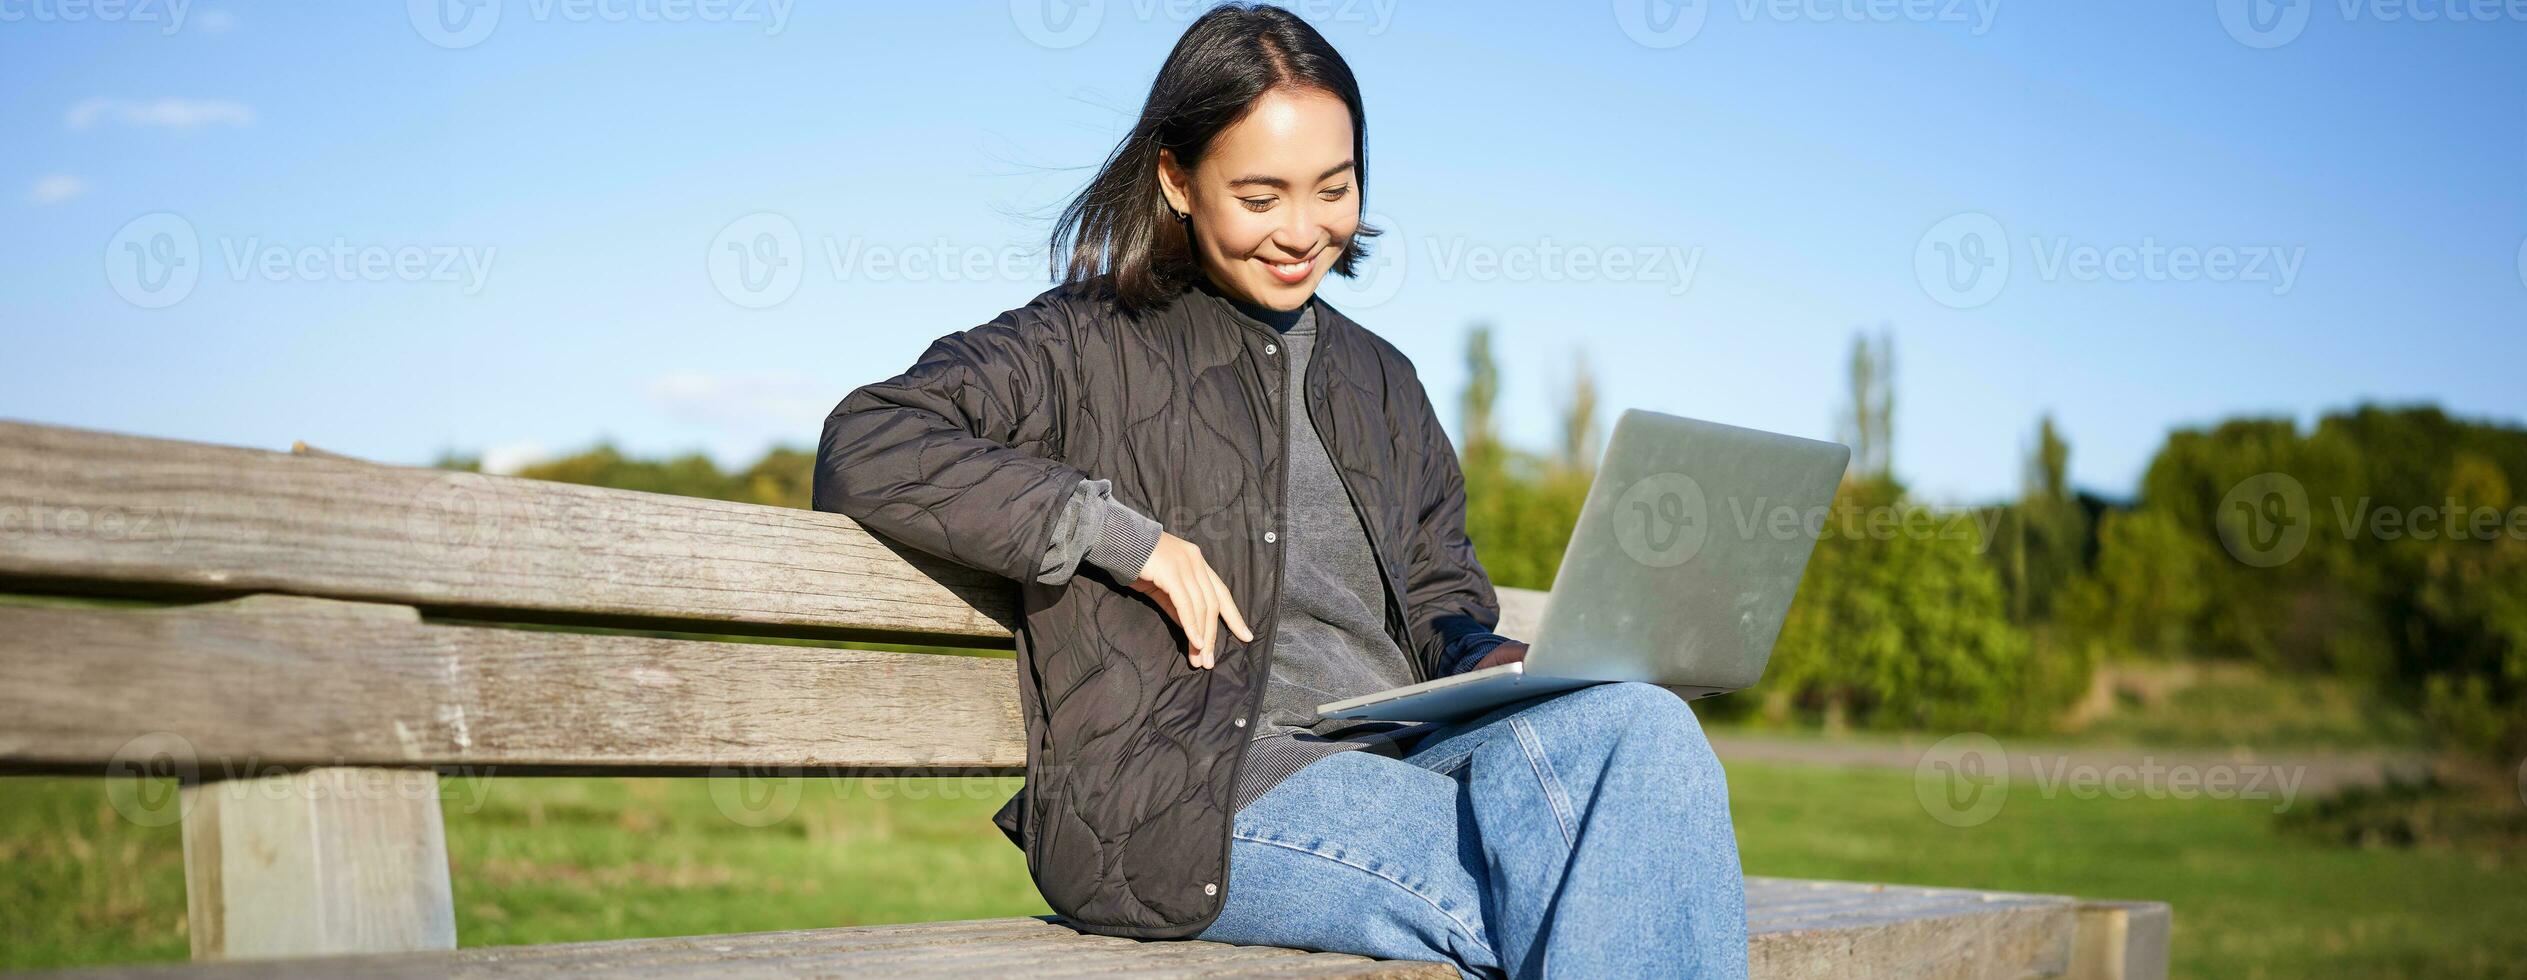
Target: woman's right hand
(1193, 595)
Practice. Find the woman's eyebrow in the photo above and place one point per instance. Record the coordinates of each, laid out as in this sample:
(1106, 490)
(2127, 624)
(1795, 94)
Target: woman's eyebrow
(1279, 184)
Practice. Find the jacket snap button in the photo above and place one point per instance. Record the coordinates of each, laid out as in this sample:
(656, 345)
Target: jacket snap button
(1272, 348)
(1270, 537)
(1211, 888)
(1241, 723)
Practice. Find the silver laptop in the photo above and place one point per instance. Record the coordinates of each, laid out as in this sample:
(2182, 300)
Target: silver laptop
(1679, 573)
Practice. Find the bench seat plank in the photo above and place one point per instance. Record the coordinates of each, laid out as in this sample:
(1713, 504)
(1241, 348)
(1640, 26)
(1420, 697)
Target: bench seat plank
(983, 947)
(1798, 929)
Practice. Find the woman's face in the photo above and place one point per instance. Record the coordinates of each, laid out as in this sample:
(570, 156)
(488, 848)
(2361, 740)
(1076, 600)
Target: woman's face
(1275, 199)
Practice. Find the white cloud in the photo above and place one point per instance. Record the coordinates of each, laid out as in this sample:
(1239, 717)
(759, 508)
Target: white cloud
(168, 113)
(56, 188)
(504, 460)
(781, 407)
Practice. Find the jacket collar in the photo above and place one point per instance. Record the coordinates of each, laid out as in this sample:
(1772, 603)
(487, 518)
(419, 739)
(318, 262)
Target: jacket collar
(1208, 296)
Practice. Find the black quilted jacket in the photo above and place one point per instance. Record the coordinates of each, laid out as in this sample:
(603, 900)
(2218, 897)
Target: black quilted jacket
(1132, 753)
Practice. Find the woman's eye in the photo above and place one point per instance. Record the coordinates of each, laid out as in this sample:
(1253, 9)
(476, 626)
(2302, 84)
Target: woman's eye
(1256, 203)
(1336, 193)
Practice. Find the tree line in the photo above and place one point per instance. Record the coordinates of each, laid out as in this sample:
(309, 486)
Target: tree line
(2387, 545)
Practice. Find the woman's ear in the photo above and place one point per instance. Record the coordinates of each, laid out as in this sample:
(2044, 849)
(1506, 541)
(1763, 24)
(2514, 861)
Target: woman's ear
(1173, 183)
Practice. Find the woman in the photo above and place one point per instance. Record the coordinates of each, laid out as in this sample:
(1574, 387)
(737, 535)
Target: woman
(1183, 434)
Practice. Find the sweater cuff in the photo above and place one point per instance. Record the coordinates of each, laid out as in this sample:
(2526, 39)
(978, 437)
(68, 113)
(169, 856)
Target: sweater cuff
(1122, 540)
(1475, 649)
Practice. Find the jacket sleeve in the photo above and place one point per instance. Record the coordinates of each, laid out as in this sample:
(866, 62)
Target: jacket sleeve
(959, 456)
(1095, 528)
(1448, 596)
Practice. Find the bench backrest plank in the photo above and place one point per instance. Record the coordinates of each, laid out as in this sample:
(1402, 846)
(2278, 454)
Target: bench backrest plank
(95, 512)
(288, 681)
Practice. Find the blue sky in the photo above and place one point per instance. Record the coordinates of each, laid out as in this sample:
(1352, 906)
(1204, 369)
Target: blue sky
(516, 229)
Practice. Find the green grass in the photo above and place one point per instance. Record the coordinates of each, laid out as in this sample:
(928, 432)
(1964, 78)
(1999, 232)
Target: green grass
(2245, 705)
(542, 860)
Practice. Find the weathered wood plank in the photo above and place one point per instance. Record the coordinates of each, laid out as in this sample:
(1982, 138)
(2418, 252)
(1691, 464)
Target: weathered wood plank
(273, 681)
(317, 862)
(85, 511)
(1880, 931)
(94, 512)
(1813, 930)
(987, 947)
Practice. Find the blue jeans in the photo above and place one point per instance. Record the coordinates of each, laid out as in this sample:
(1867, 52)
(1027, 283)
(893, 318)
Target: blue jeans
(1581, 834)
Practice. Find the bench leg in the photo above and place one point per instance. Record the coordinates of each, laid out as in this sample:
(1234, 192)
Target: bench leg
(2120, 941)
(318, 861)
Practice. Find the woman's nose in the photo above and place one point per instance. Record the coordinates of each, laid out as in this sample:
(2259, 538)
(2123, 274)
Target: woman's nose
(1300, 232)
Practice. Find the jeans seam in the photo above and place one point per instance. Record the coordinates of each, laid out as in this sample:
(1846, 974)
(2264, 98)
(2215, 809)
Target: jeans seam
(1551, 784)
(1452, 763)
(1470, 931)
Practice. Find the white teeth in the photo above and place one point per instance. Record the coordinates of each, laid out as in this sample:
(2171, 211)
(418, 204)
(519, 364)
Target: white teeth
(1292, 269)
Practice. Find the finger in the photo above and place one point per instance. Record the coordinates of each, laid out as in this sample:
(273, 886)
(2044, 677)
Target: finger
(1200, 619)
(1219, 607)
(1228, 610)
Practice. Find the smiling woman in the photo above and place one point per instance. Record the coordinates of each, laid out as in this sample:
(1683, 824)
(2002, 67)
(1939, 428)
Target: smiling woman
(1183, 431)
(1252, 150)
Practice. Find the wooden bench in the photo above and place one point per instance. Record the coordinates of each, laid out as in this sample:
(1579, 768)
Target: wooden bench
(328, 635)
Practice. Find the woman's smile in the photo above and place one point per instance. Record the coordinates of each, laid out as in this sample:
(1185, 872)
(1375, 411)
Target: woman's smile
(1290, 273)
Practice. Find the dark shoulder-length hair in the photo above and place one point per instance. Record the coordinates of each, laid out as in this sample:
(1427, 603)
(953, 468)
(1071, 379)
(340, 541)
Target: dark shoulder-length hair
(1120, 227)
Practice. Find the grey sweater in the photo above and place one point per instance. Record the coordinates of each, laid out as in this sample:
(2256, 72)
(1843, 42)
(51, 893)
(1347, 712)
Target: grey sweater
(1330, 641)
